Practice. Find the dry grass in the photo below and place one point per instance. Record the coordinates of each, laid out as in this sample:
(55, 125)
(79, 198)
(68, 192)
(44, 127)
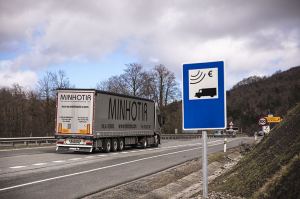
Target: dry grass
(268, 158)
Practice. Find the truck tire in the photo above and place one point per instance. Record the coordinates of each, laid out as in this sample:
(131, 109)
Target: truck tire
(120, 144)
(107, 145)
(156, 141)
(144, 143)
(114, 145)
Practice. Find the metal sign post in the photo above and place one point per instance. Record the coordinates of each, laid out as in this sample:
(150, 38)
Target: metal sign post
(204, 163)
(204, 103)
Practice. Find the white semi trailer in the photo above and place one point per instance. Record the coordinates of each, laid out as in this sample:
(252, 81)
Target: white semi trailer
(88, 119)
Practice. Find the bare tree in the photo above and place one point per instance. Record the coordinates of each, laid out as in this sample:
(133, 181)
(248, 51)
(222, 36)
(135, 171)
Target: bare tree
(160, 74)
(148, 88)
(102, 85)
(131, 82)
(133, 79)
(35, 110)
(114, 84)
(51, 81)
(159, 85)
(172, 91)
(165, 85)
(47, 86)
(30, 113)
(60, 80)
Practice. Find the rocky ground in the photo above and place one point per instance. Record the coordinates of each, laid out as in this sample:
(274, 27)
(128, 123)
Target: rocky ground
(180, 182)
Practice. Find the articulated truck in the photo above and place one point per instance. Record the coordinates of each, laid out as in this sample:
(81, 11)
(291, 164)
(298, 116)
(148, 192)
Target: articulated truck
(89, 119)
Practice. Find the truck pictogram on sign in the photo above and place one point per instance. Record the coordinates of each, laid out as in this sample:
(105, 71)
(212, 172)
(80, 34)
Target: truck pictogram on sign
(206, 92)
(203, 83)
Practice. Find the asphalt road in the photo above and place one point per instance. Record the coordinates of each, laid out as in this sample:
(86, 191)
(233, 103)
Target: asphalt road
(43, 173)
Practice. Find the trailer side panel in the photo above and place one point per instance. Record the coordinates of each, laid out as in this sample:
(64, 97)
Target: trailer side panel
(122, 116)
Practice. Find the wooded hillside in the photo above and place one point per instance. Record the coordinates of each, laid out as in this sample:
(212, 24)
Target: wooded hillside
(251, 99)
(276, 94)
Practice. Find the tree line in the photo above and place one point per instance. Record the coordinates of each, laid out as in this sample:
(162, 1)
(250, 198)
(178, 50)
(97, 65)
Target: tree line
(158, 84)
(25, 113)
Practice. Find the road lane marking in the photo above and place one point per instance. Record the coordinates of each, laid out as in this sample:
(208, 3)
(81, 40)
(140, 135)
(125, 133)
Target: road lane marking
(17, 167)
(72, 159)
(124, 152)
(58, 161)
(89, 157)
(39, 164)
(195, 144)
(44, 147)
(100, 168)
(175, 146)
(134, 151)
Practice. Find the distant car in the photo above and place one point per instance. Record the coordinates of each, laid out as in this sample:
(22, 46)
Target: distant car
(261, 133)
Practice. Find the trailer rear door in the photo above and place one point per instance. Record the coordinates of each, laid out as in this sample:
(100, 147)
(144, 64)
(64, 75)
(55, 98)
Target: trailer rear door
(74, 112)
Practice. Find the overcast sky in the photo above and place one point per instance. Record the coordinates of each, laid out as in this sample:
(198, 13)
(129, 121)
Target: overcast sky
(92, 40)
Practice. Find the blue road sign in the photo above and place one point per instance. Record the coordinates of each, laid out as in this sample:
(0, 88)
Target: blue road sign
(204, 97)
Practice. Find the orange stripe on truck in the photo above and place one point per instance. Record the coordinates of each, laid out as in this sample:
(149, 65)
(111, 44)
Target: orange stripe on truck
(88, 129)
(59, 127)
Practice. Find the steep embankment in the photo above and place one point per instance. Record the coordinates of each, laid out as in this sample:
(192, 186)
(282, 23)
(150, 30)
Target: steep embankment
(255, 97)
(271, 170)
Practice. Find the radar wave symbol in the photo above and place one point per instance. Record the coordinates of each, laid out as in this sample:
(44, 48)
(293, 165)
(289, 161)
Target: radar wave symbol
(195, 79)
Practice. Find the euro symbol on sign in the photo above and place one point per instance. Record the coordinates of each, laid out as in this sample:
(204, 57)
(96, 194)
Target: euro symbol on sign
(210, 73)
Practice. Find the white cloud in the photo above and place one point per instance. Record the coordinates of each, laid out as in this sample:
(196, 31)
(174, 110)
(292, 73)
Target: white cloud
(8, 77)
(251, 36)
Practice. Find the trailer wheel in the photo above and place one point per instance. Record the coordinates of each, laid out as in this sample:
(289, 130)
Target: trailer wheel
(114, 145)
(107, 145)
(120, 144)
(156, 141)
(144, 143)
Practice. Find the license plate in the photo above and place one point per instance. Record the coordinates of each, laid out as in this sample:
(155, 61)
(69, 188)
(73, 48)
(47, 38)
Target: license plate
(74, 149)
(74, 141)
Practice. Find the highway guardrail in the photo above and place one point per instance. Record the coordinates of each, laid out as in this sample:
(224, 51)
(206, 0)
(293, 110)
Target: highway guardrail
(180, 136)
(50, 140)
(26, 141)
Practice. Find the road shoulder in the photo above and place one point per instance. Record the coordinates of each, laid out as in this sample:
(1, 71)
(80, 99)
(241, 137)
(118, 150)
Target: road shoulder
(181, 181)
